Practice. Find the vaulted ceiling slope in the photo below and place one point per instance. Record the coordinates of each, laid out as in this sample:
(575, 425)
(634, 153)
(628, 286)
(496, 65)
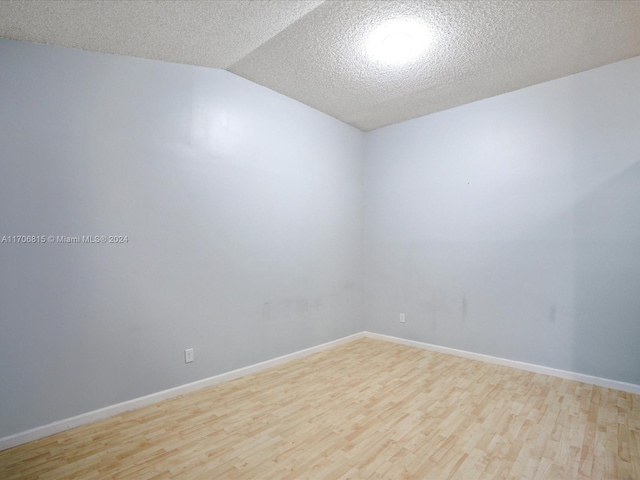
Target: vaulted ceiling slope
(316, 51)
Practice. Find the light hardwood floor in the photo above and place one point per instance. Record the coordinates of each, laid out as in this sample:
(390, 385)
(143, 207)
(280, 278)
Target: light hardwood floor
(366, 409)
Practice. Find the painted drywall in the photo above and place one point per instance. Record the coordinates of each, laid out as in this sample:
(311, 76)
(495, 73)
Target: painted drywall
(511, 226)
(506, 227)
(242, 211)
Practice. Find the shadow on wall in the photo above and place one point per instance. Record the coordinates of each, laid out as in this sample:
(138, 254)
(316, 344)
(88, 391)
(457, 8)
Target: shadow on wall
(607, 279)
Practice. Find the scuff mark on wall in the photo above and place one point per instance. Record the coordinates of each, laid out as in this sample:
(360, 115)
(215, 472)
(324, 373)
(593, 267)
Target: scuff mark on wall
(464, 307)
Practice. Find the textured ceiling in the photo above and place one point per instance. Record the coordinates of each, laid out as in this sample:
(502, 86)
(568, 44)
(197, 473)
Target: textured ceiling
(314, 51)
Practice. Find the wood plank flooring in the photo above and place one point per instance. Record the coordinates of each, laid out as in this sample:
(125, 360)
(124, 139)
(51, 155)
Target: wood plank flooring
(367, 409)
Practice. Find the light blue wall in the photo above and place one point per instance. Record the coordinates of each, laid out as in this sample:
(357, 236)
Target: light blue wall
(511, 226)
(242, 207)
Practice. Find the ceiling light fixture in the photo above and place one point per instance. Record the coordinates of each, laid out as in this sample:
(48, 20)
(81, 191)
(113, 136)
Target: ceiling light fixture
(398, 42)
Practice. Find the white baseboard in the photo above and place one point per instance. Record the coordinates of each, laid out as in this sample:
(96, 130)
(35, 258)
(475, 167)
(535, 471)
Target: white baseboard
(530, 367)
(106, 412)
(111, 410)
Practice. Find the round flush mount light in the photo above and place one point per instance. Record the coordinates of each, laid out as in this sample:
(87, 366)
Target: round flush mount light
(398, 42)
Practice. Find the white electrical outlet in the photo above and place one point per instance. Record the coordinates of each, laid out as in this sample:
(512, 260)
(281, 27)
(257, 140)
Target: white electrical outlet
(402, 318)
(188, 355)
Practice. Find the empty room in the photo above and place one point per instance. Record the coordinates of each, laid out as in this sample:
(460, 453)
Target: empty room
(251, 239)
